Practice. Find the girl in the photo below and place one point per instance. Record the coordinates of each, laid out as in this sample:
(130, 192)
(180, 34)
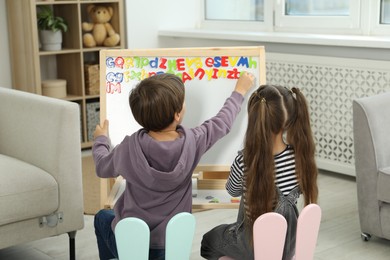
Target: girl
(276, 165)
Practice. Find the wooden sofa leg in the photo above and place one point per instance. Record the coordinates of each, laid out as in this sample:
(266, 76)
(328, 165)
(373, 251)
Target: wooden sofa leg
(72, 245)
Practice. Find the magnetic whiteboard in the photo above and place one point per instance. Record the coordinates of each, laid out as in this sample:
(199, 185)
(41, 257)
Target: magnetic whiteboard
(209, 75)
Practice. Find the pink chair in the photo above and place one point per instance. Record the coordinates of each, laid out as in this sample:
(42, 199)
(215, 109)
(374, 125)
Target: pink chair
(269, 234)
(307, 232)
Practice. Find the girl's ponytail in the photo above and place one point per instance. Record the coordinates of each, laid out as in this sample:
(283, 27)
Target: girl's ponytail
(260, 194)
(301, 137)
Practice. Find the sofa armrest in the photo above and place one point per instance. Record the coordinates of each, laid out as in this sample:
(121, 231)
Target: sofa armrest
(45, 132)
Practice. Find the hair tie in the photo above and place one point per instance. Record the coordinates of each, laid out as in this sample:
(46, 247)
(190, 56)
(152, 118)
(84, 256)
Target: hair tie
(295, 90)
(262, 99)
(289, 90)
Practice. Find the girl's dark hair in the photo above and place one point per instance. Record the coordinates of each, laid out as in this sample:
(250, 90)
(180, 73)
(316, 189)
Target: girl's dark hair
(271, 110)
(155, 100)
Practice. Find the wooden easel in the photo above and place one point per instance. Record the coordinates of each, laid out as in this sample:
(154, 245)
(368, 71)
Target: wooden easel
(207, 70)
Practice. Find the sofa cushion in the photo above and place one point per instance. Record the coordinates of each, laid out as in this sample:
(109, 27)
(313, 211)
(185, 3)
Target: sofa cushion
(26, 191)
(384, 185)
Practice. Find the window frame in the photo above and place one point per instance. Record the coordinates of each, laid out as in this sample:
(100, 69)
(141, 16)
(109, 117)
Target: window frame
(376, 27)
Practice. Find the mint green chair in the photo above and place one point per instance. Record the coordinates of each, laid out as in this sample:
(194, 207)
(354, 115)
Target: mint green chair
(132, 237)
(179, 236)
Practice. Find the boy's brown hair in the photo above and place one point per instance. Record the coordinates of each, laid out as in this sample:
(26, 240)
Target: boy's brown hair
(155, 100)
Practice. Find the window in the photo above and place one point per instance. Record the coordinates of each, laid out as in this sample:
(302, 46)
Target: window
(358, 17)
(251, 15)
(317, 7)
(326, 16)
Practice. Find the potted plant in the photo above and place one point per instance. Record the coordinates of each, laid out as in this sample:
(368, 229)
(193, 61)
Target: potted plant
(50, 28)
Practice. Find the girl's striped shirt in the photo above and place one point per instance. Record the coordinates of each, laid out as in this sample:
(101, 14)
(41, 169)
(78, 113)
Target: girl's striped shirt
(285, 177)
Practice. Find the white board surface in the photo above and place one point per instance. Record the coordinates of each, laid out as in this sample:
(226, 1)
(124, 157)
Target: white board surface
(209, 75)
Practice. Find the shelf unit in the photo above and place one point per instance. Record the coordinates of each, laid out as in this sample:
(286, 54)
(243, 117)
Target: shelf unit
(30, 65)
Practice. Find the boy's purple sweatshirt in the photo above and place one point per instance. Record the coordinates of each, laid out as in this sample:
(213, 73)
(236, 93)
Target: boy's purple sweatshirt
(158, 174)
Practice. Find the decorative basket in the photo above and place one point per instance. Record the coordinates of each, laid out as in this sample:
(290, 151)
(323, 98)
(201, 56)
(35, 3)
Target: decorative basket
(91, 74)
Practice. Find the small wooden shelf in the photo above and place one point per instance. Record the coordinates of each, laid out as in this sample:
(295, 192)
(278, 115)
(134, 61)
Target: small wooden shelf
(63, 51)
(73, 98)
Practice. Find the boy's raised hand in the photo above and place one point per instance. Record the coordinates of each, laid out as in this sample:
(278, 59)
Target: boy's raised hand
(244, 83)
(101, 130)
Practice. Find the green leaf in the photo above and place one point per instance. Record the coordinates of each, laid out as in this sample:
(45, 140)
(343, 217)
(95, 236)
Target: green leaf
(47, 21)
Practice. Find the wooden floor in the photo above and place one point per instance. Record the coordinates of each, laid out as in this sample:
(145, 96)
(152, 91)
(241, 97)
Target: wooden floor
(339, 236)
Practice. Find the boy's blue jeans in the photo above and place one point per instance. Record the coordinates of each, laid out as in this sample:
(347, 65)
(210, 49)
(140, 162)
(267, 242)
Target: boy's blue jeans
(104, 234)
(106, 238)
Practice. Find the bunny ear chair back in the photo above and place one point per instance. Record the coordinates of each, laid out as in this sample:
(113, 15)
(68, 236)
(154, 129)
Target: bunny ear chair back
(269, 234)
(307, 232)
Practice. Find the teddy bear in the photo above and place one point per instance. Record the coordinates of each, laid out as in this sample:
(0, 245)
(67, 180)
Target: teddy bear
(100, 32)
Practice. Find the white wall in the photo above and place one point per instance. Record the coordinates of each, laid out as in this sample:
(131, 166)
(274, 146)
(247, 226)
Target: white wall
(5, 69)
(144, 19)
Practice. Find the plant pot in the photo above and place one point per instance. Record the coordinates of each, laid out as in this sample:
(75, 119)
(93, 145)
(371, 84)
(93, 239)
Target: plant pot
(51, 41)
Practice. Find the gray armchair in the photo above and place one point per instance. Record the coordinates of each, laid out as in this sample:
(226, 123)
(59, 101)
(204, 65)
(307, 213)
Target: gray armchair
(371, 126)
(40, 168)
